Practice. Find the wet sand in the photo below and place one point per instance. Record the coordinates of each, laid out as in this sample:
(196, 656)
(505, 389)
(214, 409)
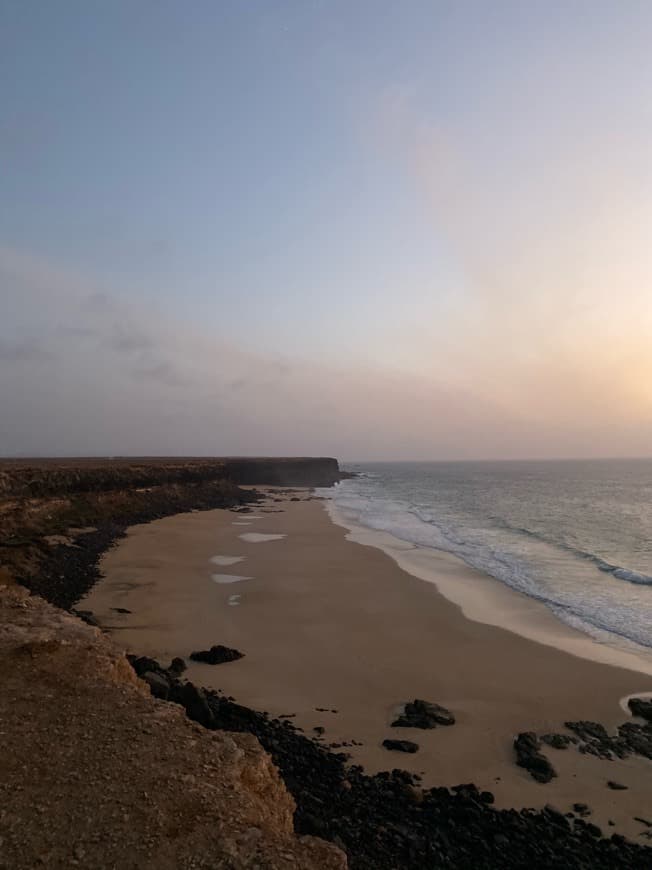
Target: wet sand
(327, 622)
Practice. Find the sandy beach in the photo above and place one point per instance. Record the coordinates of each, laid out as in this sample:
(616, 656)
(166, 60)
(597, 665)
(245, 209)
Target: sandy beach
(326, 622)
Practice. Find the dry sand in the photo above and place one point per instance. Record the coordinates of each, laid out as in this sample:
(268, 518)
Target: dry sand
(327, 622)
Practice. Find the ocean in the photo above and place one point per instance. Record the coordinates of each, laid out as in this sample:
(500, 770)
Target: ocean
(575, 535)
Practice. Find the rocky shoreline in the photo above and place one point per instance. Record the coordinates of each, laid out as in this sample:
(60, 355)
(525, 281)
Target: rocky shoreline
(382, 821)
(387, 821)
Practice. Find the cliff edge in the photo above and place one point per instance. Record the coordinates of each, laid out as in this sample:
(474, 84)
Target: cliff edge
(94, 772)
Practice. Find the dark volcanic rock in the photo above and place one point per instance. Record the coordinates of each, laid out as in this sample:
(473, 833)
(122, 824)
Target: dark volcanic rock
(641, 707)
(558, 741)
(630, 739)
(528, 756)
(216, 655)
(423, 714)
(120, 610)
(401, 745)
(158, 684)
(588, 730)
(616, 786)
(86, 616)
(178, 666)
(381, 825)
(143, 664)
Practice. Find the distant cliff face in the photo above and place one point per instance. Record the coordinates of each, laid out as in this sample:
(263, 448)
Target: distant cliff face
(61, 477)
(309, 471)
(41, 501)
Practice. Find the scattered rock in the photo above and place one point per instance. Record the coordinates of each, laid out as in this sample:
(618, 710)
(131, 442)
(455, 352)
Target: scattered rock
(159, 686)
(616, 786)
(319, 729)
(423, 714)
(120, 610)
(401, 745)
(641, 707)
(558, 741)
(382, 825)
(528, 756)
(178, 666)
(631, 738)
(588, 730)
(216, 655)
(582, 809)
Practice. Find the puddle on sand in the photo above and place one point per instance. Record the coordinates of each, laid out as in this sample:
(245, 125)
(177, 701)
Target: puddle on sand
(240, 524)
(225, 560)
(234, 600)
(228, 578)
(258, 538)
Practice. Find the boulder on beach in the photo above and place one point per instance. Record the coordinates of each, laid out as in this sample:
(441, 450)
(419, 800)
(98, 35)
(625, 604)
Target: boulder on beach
(177, 667)
(159, 686)
(401, 745)
(423, 714)
(528, 756)
(641, 707)
(216, 655)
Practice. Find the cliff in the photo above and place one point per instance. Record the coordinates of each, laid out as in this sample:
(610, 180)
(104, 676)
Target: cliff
(59, 477)
(97, 773)
(58, 515)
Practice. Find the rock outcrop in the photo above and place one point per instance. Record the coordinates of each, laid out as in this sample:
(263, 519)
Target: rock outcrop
(527, 748)
(423, 714)
(96, 773)
(216, 655)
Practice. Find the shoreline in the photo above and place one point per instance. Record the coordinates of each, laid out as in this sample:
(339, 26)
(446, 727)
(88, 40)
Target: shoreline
(482, 598)
(306, 645)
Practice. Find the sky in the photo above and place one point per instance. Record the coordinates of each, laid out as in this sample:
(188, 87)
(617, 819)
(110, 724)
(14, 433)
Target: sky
(359, 228)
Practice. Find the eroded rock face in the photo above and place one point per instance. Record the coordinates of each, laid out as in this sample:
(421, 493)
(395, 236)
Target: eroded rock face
(133, 782)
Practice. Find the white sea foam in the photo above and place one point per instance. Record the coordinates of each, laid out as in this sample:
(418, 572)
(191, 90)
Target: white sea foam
(228, 578)
(226, 560)
(241, 524)
(485, 599)
(553, 531)
(258, 538)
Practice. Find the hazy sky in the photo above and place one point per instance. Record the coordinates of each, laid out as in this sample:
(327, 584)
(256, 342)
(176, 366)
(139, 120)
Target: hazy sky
(365, 229)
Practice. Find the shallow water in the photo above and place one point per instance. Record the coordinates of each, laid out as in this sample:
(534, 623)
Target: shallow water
(226, 560)
(229, 578)
(575, 535)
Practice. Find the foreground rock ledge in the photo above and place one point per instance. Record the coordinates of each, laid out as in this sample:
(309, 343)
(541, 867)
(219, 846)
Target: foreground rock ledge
(96, 773)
